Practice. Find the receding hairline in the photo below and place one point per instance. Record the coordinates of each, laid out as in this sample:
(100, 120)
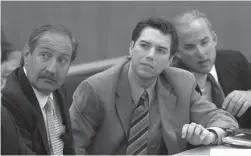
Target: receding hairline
(48, 34)
(189, 17)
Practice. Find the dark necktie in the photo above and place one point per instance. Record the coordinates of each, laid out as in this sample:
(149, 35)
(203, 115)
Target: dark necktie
(54, 129)
(138, 136)
(218, 95)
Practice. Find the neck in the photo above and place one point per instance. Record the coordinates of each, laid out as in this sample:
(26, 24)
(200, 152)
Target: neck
(142, 82)
(201, 79)
(42, 92)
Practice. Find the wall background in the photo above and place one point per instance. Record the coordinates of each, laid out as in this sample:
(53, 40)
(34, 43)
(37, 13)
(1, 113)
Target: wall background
(104, 29)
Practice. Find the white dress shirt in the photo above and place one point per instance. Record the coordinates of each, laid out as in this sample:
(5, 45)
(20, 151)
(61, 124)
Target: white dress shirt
(137, 91)
(42, 100)
(204, 85)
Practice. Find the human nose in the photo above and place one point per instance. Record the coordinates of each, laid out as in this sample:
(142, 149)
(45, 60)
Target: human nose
(150, 54)
(52, 66)
(201, 51)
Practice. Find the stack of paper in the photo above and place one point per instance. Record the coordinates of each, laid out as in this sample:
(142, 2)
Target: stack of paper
(240, 140)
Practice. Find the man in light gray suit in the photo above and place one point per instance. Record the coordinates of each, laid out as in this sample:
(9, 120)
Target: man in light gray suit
(143, 106)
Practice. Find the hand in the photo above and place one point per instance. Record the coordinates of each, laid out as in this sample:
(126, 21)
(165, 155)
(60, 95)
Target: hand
(237, 102)
(196, 134)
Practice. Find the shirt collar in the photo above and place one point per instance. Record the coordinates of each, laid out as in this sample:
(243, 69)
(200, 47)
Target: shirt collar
(42, 98)
(137, 91)
(201, 78)
(214, 73)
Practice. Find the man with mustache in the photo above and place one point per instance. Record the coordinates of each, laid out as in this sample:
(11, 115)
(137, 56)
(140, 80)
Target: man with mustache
(223, 76)
(33, 93)
(132, 108)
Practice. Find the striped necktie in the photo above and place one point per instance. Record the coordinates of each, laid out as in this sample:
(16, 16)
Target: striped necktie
(138, 136)
(53, 129)
(218, 95)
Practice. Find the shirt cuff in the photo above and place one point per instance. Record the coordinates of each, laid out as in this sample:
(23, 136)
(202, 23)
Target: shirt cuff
(220, 133)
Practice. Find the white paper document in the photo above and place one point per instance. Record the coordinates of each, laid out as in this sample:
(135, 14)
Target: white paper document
(230, 152)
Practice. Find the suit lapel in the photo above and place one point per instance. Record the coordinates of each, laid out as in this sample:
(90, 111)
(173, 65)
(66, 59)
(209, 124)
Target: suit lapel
(124, 100)
(61, 105)
(167, 107)
(223, 72)
(218, 68)
(66, 136)
(28, 91)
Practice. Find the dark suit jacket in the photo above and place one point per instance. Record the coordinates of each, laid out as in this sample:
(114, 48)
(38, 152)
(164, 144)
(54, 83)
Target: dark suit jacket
(101, 111)
(234, 73)
(18, 97)
(10, 137)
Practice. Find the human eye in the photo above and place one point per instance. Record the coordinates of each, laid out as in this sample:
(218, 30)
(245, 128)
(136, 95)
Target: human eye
(189, 47)
(63, 60)
(161, 50)
(45, 55)
(204, 42)
(144, 45)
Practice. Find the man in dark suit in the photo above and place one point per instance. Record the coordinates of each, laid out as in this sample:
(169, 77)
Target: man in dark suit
(223, 76)
(32, 92)
(132, 108)
(10, 137)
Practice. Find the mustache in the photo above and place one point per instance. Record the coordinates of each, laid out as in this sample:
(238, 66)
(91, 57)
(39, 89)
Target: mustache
(48, 75)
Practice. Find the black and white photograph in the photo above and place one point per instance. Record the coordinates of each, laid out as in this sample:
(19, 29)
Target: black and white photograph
(126, 78)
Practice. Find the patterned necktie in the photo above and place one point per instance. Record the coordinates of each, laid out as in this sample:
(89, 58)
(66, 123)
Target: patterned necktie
(138, 136)
(53, 129)
(218, 95)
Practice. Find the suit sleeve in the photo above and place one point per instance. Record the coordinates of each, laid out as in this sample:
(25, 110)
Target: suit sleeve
(245, 72)
(9, 132)
(208, 115)
(85, 116)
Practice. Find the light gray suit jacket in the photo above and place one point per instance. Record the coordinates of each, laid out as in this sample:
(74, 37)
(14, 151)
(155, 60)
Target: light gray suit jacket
(101, 113)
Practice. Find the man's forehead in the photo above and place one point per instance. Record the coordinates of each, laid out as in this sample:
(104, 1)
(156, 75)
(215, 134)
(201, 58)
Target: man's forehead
(155, 36)
(52, 36)
(149, 32)
(195, 30)
(199, 23)
(54, 40)
(192, 26)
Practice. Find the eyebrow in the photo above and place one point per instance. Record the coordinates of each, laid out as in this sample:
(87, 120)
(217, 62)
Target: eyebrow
(144, 41)
(158, 45)
(163, 48)
(52, 50)
(46, 48)
(188, 45)
(205, 38)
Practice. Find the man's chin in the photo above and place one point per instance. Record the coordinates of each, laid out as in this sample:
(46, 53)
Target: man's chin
(147, 75)
(46, 88)
(204, 70)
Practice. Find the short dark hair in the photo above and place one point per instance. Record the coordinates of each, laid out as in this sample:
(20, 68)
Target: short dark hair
(163, 26)
(58, 28)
